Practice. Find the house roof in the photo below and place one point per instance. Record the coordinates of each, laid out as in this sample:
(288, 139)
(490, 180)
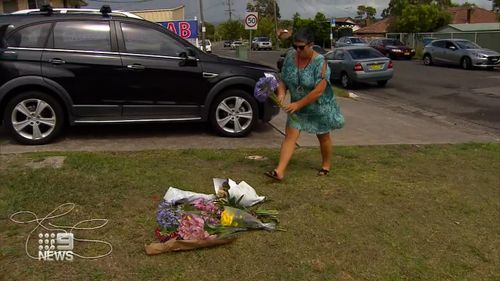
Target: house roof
(478, 15)
(345, 20)
(475, 27)
(375, 28)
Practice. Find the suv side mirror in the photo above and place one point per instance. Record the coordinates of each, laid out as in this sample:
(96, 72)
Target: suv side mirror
(453, 48)
(188, 58)
(4, 29)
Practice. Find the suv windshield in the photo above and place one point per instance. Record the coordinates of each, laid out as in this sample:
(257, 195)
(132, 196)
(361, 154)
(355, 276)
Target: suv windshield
(262, 39)
(467, 45)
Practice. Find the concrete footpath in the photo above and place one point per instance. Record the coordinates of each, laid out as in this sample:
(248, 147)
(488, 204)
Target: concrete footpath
(367, 123)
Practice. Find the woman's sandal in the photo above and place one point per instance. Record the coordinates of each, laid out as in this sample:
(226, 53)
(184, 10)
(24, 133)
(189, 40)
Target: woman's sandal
(273, 174)
(323, 172)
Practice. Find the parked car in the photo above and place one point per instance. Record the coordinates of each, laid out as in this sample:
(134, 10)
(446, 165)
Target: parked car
(208, 45)
(69, 69)
(235, 44)
(350, 41)
(460, 52)
(393, 48)
(359, 64)
(279, 64)
(427, 40)
(227, 43)
(261, 43)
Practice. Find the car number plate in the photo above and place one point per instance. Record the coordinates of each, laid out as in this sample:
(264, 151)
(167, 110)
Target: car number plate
(375, 66)
(407, 54)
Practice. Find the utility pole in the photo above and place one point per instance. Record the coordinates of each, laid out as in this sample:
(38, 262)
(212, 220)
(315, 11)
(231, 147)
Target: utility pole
(202, 27)
(276, 26)
(229, 10)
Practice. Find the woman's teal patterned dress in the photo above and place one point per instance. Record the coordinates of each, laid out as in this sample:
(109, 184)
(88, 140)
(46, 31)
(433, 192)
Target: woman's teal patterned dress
(320, 116)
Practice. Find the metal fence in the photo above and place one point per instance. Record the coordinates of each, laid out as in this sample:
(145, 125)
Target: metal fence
(487, 39)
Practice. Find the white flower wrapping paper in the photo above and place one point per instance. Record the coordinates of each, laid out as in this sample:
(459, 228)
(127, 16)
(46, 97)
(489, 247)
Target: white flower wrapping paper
(250, 196)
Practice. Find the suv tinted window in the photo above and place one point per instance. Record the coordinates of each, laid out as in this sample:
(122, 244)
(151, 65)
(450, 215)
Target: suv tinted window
(82, 35)
(142, 40)
(439, 44)
(30, 37)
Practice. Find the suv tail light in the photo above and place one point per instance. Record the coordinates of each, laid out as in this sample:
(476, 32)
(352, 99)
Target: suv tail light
(358, 67)
(390, 64)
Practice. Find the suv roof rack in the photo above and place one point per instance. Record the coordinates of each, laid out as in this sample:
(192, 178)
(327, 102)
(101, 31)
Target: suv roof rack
(46, 9)
(105, 10)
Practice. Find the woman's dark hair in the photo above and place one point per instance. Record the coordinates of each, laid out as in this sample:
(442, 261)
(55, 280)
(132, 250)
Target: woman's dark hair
(304, 34)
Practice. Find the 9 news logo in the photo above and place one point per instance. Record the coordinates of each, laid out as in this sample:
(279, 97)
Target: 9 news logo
(55, 246)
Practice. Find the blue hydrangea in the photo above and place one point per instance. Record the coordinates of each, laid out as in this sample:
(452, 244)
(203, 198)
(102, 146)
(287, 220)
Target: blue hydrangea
(168, 215)
(265, 87)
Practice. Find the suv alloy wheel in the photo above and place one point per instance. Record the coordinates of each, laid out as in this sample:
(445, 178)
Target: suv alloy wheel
(234, 113)
(34, 118)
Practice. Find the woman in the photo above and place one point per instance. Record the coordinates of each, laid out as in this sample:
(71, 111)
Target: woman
(313, 108)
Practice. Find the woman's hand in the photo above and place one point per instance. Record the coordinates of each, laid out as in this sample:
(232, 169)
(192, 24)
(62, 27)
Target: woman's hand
(292, 107)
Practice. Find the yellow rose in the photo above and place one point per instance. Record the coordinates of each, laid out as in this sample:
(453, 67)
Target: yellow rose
(226, 219)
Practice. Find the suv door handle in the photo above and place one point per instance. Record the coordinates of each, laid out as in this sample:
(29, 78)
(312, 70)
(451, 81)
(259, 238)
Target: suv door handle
(56, 61)
(136, 67)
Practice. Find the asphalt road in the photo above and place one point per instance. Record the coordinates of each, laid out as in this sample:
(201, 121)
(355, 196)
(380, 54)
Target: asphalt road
(467, 95)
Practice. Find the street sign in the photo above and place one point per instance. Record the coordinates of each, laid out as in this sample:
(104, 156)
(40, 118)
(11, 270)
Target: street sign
(251, 19)
(332, 22)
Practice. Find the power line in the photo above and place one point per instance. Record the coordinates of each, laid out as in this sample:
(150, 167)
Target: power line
(229, 10)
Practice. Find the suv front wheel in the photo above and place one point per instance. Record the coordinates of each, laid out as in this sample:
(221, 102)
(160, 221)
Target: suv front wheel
(234, 113)
(33, 118)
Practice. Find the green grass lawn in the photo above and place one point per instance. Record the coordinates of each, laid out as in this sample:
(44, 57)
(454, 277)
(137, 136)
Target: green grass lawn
(384, 213)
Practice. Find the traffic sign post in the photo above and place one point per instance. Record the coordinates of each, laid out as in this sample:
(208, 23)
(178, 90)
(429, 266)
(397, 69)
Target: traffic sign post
(251, 20)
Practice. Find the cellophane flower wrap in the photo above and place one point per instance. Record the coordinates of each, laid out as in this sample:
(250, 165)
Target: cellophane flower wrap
(192, 223)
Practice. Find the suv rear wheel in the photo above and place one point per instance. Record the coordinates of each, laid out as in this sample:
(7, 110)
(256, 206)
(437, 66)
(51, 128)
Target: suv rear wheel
(234, 113)
(34, 118)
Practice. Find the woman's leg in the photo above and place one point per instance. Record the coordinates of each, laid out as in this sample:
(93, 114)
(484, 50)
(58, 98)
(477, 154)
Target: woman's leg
(325, 144)
(287, 149)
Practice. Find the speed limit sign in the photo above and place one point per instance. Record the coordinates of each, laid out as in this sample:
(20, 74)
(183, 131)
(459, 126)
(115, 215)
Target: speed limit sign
(251, 20)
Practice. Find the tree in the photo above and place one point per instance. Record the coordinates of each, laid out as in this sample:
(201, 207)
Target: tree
(396, 7)
(231, 29)
(366, 12)
(265, 8)
(420, 18)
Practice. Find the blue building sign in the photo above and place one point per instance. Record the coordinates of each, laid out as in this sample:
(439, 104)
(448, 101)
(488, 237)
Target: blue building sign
(184, 28)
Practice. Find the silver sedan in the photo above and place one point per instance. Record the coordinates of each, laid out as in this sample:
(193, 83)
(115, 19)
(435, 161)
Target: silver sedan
(359, 64)
(460, 52)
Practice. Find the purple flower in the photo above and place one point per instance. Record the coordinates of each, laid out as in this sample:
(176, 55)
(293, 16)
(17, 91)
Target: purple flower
(192, 228)
(264, 88)
(168, 215)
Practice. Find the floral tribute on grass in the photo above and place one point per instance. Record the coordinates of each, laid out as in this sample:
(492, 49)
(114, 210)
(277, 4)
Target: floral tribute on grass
(188, 220)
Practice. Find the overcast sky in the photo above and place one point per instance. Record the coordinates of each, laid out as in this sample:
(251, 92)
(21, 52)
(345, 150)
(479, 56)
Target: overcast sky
(214, 10)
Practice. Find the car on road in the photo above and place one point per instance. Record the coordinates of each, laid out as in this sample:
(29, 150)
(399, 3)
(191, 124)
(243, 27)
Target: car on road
(227, 43)
(392, 48)
(351, 65)
(235, 44)
(61, 69)
(350, 41)
(460, 52)
(279, 64)
(208, 45)
(261, 43)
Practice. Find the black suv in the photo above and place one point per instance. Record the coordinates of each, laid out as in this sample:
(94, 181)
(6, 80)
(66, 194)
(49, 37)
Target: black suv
(58, 69)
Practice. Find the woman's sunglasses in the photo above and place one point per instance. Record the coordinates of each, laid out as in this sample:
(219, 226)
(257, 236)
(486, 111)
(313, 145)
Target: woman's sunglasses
(296, 47)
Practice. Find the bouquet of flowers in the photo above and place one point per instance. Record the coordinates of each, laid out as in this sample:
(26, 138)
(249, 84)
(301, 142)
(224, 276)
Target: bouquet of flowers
(266, 88)
(189, 221)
